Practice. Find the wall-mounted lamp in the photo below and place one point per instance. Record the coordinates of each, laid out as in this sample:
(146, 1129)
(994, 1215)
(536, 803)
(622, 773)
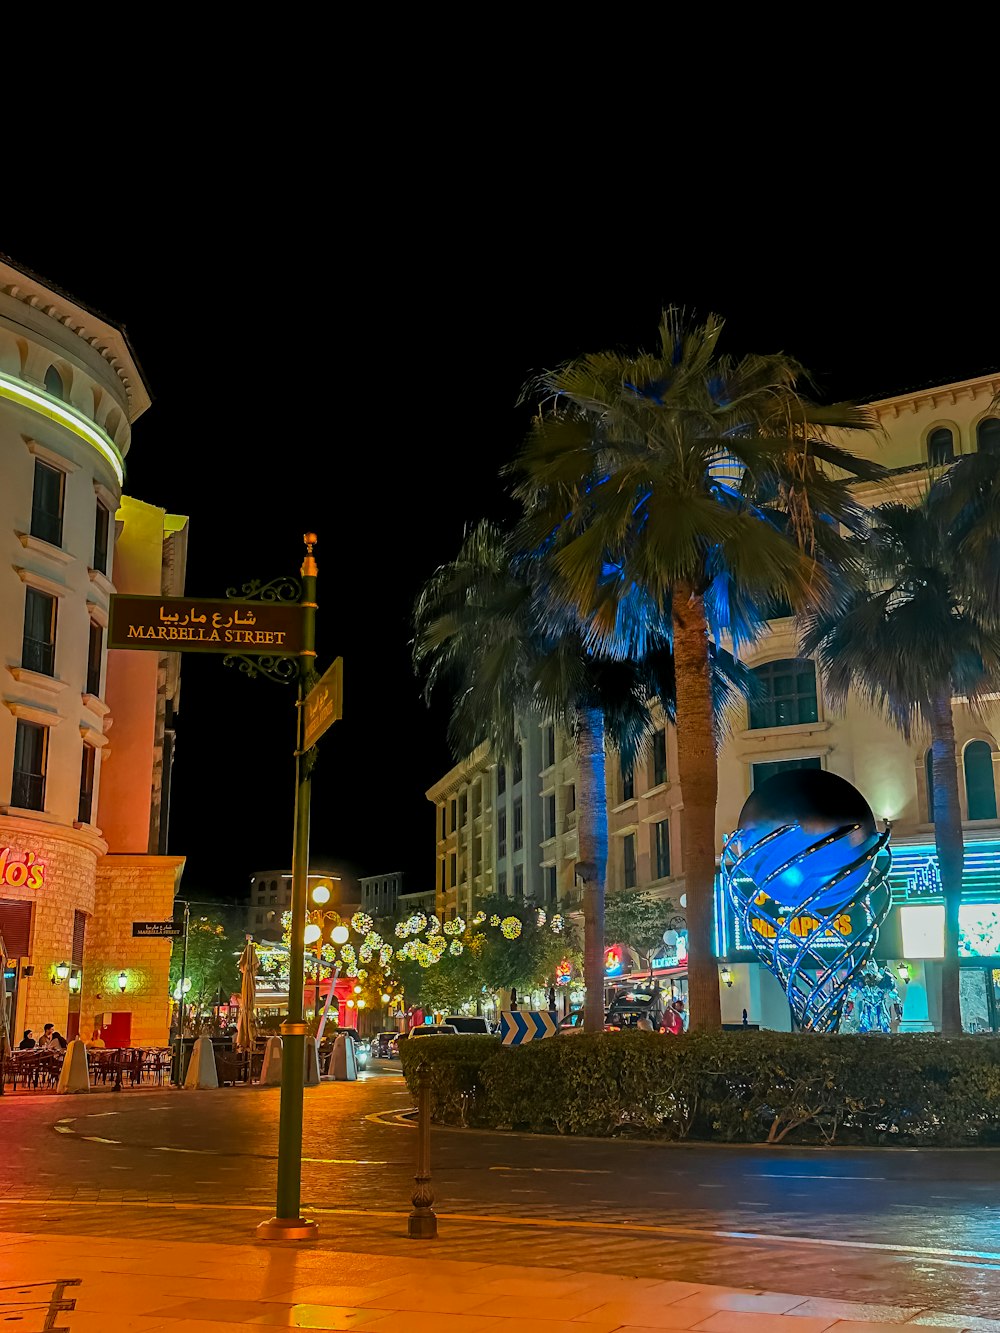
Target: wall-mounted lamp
(62, 972)
(75, 981)
(122, 981)
(727, 976)
(903, 972)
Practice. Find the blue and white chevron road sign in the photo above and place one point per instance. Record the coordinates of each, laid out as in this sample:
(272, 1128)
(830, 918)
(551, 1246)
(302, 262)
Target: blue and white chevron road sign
(520, 1025)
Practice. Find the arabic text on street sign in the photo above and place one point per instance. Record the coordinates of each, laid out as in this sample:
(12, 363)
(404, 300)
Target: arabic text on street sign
(324, 704)
(156, 929)
(208, 625)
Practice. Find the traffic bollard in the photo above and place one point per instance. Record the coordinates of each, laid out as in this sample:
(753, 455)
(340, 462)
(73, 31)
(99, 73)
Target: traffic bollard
(422, 1223)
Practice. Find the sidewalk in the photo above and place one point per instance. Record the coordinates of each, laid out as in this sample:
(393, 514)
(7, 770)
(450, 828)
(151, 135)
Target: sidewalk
(108, 1285)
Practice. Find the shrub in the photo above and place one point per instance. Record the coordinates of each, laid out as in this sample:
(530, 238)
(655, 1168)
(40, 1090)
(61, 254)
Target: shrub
(769, 1087)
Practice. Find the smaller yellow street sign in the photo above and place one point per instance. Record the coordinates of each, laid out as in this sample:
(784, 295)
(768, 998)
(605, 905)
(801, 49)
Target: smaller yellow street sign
(324, 704)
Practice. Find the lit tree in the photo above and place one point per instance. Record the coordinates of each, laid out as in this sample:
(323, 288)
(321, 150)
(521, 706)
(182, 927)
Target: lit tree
(639, 920)
(212, 963)
(703, 483)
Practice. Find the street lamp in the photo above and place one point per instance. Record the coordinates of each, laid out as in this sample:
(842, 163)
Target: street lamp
(340, 934)
(312, 933)
(320, 893)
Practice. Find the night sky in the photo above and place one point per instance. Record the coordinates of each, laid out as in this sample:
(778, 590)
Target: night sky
(356, 372)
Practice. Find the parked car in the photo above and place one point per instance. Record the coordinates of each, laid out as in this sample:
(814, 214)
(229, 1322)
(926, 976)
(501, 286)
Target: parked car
(435, 1030)
(573, 1022)
(381, 1044)
(469, 1023)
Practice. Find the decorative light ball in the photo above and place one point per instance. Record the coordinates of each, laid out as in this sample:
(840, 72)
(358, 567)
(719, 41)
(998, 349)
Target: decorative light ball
(340, 934)
(454, 927)
(386, 998)
(357, 990)
(455, 948)
(479, 918)
(373, 939)
(494, 920)
(350, 1004)
(385, 954)
(402, 929)
(320, 894)
(366, 953)
(511, 927)
(809, 804)
(557, 924)
(361, 1004)
(362, 974)
(347, 954)
(541, 918)
(312, 933)
(416, 922)
(362, 923)
(434, 927)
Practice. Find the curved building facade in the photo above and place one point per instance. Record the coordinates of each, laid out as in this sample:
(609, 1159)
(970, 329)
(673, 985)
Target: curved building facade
(70, 389)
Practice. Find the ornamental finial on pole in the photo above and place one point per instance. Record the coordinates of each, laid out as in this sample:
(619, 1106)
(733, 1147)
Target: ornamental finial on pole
(309, 567)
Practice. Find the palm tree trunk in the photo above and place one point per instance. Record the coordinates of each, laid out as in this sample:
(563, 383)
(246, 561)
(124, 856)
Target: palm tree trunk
(697, 770)
(592, 862)
(950, 853)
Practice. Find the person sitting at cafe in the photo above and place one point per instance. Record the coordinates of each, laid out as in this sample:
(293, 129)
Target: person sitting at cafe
(27, 1042)
(51, 1039)
(96, 1042)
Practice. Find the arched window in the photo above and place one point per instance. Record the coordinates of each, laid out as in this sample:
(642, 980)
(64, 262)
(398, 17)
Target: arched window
(785, 695)
(980, 793)
(988, 435)
(54, 383)
(940, 447)
(929, 770)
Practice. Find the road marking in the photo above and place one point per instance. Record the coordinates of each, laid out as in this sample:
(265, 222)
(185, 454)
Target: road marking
(553, 1170)
(393, 1119)
(805, 1175)
(99, 1115)
(64, 1129)
(96, 1138)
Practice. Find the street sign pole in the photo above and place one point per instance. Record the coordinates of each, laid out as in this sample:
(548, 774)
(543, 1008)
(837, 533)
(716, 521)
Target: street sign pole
(287, 1224)
(180, 1007)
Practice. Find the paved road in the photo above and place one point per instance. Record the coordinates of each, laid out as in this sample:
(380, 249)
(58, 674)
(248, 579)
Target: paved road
(918, 1229)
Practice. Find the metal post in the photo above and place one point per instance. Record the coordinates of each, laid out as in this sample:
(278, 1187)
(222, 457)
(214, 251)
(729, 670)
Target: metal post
(422, 1223)
(286, 1223)
(180, 1010)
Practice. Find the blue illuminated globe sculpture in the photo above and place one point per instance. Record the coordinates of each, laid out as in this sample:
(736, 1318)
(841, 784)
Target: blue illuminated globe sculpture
(805, 873)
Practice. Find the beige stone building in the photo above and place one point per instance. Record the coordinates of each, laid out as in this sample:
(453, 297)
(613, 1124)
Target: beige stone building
(85, 736)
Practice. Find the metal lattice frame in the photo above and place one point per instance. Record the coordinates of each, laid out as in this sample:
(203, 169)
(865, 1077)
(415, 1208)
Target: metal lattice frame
(817, 1004)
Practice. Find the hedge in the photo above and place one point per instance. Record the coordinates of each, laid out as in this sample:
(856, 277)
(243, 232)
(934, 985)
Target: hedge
(756, 1087)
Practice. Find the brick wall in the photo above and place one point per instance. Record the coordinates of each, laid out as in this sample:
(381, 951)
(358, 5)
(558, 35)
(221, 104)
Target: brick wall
(130, 888)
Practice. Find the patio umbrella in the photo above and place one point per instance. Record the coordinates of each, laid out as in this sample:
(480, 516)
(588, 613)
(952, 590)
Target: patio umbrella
(4, 1020)
(246, 1026)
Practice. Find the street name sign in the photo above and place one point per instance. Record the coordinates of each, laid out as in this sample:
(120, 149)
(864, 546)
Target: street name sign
(156, 930)
(518, 1026)
(206, 625)
(324, 704)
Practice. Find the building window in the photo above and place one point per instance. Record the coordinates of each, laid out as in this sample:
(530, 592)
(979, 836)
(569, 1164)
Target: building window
(571, 798)
(988, 435)
(761, 772)
(929, 772)
(502, 883)
(453, 814)
(260, 918)
(519, 881)
(518, 763)
(463, 809)
(87, 769)
(518, 825)
(444, 821)
(501, 779)
(501, 833)
(453, 869)
(38, 646)
(477, 856)
(30, 754)
(550, 816)
(94, 655)
(550, 746)
(628, 851)
(628, 785)
(786, 694)
(477, 800)
(662, 848)
(102, 533)
(659, 758)
(980, 793)
(443, 872)
(54, 383)
(940, 447)
(550, 884)
(47, 503)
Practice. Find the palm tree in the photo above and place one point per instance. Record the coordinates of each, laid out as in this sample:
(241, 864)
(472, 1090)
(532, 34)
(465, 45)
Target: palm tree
(705, 482)
(485, 628)
(911, 633)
